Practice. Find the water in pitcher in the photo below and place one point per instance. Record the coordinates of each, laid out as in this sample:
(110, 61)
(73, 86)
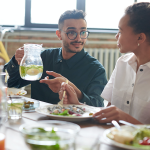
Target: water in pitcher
(31, 72)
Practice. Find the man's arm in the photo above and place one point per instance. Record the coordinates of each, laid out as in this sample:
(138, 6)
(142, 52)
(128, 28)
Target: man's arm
(14, 80)
(92, 94)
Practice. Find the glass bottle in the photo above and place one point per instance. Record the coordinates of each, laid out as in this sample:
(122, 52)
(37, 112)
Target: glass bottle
(31, 66)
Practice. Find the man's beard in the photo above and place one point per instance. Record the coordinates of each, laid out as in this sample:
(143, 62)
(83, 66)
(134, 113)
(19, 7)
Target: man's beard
(67, 49)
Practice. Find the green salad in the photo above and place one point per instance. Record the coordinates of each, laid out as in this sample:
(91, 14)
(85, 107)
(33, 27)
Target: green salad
(64, 113)
(142, 138)
(139, 138)
(70, 110)
(40, 135)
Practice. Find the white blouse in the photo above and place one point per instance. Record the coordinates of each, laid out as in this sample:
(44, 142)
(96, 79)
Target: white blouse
(130, 90)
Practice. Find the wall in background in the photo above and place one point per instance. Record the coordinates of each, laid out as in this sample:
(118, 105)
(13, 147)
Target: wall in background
(14, 40)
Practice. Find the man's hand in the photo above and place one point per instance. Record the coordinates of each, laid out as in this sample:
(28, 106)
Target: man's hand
(19, 54)
(54, 84)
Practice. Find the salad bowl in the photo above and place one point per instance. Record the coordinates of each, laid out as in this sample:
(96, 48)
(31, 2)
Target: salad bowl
(51, 134)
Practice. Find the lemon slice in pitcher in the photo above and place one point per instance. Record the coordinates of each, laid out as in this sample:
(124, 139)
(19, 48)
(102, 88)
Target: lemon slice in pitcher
(41, 69)
(33, 72)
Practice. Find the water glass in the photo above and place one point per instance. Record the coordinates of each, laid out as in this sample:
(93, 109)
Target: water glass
(2, 141)
(51, 134)
(15, 107)
(86, 143)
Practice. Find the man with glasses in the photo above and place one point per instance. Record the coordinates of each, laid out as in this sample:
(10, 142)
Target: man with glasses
(84, 73)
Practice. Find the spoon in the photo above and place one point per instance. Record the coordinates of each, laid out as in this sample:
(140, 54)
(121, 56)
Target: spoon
(129, 124)
(132, 125)
(115, 123)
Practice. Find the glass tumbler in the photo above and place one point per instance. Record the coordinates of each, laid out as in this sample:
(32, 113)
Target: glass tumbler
(15, 107)
(50, 135)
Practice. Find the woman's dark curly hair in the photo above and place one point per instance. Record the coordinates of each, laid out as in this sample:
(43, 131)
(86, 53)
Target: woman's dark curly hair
(139, 14)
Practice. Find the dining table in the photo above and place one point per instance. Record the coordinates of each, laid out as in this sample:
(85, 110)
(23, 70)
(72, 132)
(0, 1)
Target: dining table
(90, 128)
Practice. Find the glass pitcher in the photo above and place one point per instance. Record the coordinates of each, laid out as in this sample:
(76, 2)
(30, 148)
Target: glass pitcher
(31, 66)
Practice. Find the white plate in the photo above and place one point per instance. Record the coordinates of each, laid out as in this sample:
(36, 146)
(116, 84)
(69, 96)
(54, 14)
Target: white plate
(85, 116)
(15, 91)
(108, 141)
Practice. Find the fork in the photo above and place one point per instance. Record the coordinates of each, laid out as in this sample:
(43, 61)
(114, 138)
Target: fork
(61, 102)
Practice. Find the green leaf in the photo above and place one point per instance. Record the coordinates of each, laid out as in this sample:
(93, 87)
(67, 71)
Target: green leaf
(64, 113)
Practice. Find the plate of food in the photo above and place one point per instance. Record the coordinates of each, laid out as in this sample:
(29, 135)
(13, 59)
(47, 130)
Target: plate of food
(68, 112)
(15, 91)
(128, 137)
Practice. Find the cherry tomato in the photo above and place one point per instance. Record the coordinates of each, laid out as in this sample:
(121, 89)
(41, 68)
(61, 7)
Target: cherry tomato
(145, 141)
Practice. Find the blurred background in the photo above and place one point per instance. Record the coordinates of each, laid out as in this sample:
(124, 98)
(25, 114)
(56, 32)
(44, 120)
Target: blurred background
(35, 21)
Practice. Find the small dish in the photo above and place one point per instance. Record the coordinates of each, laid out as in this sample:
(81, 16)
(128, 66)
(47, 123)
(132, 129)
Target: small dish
(30, 105)
(15, 91)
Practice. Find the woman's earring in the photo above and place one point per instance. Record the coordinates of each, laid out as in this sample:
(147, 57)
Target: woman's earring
(138, 44)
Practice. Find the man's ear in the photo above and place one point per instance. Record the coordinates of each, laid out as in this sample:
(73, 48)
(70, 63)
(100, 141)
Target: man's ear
(58, 33)
(142, 38)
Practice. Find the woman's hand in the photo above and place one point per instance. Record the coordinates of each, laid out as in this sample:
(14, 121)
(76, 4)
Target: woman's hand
(70, 96)
(107, 114)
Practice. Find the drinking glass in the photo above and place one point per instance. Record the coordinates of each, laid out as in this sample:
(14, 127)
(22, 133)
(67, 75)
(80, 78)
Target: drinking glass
(51, 134)
(3, 97)
(2, 137)
(86, 143)
(15, 107)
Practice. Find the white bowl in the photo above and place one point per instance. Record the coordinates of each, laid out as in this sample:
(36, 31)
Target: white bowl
(15, 91)
(58, 133)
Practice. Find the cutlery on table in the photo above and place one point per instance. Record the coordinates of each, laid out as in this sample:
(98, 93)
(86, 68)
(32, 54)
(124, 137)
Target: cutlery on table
(61, 102)
(115, 123)
(128, 123)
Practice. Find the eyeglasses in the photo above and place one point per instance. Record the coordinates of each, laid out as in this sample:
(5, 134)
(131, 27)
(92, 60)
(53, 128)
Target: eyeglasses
(72, 34)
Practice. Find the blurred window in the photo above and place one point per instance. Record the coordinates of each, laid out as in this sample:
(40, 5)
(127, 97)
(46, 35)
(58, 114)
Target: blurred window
(49, 11)
(105, 13)
(12, 12)
(101, 14)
